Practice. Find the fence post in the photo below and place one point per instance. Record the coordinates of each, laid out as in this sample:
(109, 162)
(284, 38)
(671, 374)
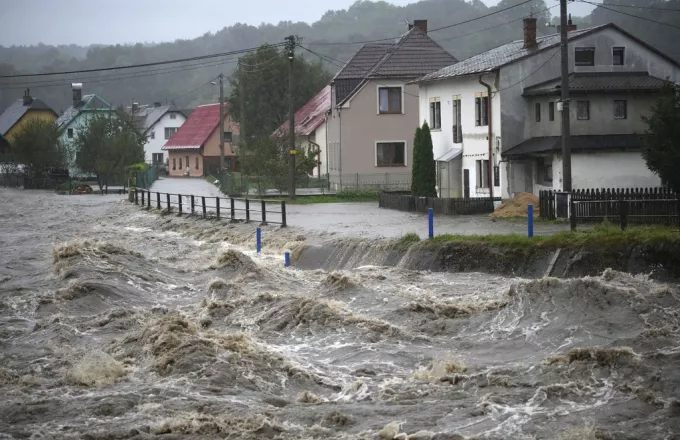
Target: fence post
(167, 199)
(179, 204)
(572, 214)
(217, 206)
(148, 199)
(287, 259)
(136, 197)
(530, 221)
(247, 211)
(430, 222)
(192, 205)
(357, 181)
(143, 201)
(203, 202)
(258, 240)
(264, 213)
(283, 214)
(158, 200)
(623, 213)
(232, 209)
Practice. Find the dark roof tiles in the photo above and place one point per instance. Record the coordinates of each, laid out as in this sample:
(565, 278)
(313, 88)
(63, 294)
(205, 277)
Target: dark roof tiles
(311, 115)
(583, 142)
(599, 81)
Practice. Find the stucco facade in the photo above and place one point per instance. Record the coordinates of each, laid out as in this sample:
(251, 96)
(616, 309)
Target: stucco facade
(155, 135)
(177, 163)
(46, 115)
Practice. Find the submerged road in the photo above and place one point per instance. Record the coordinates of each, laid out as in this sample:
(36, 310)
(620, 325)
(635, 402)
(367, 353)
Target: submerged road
(366, 220)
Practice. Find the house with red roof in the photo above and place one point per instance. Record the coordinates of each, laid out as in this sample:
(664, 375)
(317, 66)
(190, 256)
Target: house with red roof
(310, 128)
(196, 144)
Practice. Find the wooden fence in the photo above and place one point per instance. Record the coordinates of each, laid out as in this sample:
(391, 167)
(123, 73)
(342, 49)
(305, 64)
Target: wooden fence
(403, 201)
(231, 208)
(618, 205)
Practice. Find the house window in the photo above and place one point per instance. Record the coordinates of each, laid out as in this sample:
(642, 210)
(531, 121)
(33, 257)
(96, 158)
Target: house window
(228, 136)
(551, 110)
(169, 131)
(69, 133)
(152, 135)
(583, 110)
(538, 112)
(180, 163)
(196, 162)
(157, 158)
(457, 127)
(482, 174)
(620, 109)
(481, 111)
(584, 56)
(545, 169)
(390, 154)
(174, 163)
(618, 55)
(389, 100)
(188, 162)
(173, 116)
(435, 114)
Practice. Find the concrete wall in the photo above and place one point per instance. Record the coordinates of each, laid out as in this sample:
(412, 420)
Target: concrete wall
(516, 114)
(154, 145)
(601, 115)
(174, 157)
(354, 130)
(318, 137)
(475, 143)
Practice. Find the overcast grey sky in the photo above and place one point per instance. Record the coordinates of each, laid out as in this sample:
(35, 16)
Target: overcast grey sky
(86, 22)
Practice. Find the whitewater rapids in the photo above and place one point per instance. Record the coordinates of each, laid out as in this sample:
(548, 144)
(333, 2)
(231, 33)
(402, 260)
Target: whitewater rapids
(117, 323)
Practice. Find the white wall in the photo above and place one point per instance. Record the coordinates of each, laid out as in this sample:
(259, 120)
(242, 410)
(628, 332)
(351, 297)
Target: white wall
(155, 145)
(609, 170)
(318, 137)
(475, 143)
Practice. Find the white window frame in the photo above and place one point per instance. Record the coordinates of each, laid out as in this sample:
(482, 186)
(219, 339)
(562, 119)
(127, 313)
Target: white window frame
(433, 114)
(377, 99)
(375, 152)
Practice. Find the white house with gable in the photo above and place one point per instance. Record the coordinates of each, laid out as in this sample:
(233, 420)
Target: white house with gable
(496, 123)
(158, 123)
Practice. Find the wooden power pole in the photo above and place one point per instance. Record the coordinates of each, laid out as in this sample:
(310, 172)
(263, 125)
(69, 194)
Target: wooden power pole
(564, 99)
(290, 46)
(221, 77)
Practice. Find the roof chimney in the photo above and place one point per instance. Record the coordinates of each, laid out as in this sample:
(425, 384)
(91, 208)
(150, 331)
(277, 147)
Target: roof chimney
(529, 33)
(570, 26)
(156, 104)
(77, 89)
(135, 107)
(28, 100)
(420, 24)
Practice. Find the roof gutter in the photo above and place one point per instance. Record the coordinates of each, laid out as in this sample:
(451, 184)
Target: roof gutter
(489, 136)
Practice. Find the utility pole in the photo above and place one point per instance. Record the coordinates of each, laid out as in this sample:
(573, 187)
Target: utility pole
(290, 48)
(221, 78)
(566, 147)
(242, 101)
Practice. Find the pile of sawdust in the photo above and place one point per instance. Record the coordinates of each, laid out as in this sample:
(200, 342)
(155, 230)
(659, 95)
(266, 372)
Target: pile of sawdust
(517, 206)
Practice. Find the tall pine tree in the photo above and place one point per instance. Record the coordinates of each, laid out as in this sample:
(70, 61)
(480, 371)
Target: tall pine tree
(423, 171)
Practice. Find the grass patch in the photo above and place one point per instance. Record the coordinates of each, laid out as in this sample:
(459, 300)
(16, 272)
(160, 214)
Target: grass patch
(540, 220)
(407, 240)
(355, 195)
(604, 235)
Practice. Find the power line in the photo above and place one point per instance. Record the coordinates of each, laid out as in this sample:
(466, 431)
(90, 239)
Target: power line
(630, 15)
(531, 74)
(190, 91)
(640, 7)
(134, 66)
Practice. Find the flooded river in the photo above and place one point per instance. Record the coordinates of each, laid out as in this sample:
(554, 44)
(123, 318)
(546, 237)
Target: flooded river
(117, 323)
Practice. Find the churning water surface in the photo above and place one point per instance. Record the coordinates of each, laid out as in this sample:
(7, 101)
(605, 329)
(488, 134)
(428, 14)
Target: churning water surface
(118, 323)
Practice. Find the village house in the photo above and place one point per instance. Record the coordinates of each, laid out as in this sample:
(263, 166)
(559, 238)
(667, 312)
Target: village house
(158, 123)
(196, 144)
(374, 111)
(24, 109)
(500, 117)
(310, 129)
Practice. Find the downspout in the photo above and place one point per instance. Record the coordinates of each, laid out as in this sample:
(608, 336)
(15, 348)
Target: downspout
(489, 118)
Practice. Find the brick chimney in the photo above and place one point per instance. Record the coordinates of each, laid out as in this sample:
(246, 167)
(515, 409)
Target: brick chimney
(77, 89)
(529, 33)
(28, 100)
(156, 104)
(420, 24)
(570, 26)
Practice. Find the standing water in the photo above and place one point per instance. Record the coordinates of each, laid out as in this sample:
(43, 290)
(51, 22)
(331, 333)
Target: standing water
(118, 323)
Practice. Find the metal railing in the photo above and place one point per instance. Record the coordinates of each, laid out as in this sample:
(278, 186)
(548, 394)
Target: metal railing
(234, 209)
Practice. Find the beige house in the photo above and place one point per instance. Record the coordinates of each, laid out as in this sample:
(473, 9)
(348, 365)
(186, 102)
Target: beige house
(374, 112)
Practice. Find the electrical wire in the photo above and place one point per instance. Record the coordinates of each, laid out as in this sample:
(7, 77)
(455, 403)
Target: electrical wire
(630, 15)
(639, 7)
(190, 91)
(531, 74)
(134, 66)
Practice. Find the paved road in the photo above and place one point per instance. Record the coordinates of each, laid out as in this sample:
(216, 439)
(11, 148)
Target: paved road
(352, 219)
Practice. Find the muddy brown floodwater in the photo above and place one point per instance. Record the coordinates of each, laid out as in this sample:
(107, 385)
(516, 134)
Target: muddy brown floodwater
(118, 323)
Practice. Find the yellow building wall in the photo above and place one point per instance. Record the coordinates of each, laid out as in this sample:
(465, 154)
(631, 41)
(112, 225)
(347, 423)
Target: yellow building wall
(29, 116)
(177, 156)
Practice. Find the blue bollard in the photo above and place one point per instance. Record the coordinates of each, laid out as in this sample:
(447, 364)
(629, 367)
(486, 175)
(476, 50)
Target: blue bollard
(259, 240)
(430, 222)
(287, 259)
(530, 213)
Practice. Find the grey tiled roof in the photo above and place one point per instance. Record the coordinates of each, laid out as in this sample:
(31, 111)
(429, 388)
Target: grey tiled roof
(584, 142)
(14, 112)
(599, 81)
(88, 102)
(412, 55)
(500, 56)
(148, 116)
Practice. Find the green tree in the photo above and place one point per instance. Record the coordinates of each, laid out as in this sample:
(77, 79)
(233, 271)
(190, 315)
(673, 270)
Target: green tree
(661, 142)
(424, 172)
(108, 144)
(36, 146)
